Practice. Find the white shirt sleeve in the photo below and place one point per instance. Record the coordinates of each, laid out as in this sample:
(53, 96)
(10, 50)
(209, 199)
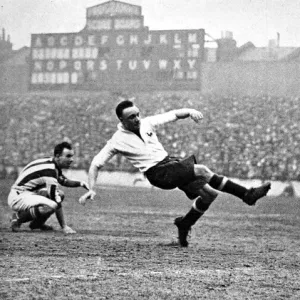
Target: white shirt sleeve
(161, 119)
(106, 153)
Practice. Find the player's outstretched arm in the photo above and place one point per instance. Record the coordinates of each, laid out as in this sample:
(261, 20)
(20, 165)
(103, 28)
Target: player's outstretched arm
(106, 153)
(93, 175)
(73, 183)
(184, 113)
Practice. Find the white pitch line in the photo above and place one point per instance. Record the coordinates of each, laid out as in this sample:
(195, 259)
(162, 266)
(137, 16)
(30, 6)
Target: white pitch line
(93, 276)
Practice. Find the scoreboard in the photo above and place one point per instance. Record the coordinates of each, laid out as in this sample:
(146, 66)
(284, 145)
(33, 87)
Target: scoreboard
(116, 51)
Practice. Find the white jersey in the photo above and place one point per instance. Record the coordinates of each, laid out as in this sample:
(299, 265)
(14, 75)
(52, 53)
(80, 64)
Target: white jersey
(144, 152)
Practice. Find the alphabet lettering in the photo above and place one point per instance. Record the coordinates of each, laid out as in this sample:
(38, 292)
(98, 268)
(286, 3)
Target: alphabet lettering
(78, 58)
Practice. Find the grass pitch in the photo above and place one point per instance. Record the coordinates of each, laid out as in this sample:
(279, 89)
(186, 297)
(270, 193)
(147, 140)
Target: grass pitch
(125, 248)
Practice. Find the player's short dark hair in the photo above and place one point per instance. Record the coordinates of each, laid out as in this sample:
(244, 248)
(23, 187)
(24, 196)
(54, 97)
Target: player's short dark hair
(59, 148)
(123, 105)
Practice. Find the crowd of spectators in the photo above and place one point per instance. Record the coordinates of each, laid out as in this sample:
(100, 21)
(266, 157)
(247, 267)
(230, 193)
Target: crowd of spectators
(241, 137)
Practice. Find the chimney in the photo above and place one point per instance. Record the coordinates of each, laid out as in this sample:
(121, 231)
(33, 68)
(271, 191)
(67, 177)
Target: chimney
(227, 49)
(272, 44)
(228, 35)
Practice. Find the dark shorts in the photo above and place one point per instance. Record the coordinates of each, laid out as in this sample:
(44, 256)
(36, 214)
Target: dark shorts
(174, 172)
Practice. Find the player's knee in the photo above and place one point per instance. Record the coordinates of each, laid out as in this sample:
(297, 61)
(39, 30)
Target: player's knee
(45, 209)
(51, 205)
(43, 192)
(209, 199)
(208, 195)
(203, 171)
(61, 194)
(201, 205)
(205, 199)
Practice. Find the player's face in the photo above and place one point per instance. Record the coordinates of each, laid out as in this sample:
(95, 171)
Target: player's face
(131, 118)
(65, 159)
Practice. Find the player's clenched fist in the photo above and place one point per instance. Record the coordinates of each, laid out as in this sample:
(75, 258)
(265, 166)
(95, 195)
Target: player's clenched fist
(196, 115)
(87, 196)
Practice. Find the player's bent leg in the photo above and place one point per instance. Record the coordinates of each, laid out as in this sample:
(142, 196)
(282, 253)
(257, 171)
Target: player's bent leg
(18, 218)
(222, 183)
(37, 214)
(201, 204)
(29, 200)
(32, 207)
(203, 172)
(46, 193)
(43, 209)
(61, 194)
(206, 196)
(41, 215)
(23, 204)
(208, 193)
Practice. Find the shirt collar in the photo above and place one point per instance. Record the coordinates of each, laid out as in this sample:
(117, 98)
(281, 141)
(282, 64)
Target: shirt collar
(56, 165)
(121, 127)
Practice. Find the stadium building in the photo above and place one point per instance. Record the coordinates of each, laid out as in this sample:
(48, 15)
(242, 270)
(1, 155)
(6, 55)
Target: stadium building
(115, 51)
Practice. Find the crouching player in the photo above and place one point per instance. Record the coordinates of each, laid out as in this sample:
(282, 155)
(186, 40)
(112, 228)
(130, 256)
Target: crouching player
(35, 195)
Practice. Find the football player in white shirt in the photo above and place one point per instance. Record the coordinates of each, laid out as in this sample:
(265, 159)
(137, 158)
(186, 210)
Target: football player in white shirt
(136, 139)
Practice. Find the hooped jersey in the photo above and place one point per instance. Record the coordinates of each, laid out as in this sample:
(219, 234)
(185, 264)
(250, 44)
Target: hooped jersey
(39, 174)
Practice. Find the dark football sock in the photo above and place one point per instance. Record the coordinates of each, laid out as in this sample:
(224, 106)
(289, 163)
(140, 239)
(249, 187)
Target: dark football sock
(235, 189)
(40, 215)
(216, 181)
(225, 185)
(24, 216)
(191, 218)
(195, 213)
